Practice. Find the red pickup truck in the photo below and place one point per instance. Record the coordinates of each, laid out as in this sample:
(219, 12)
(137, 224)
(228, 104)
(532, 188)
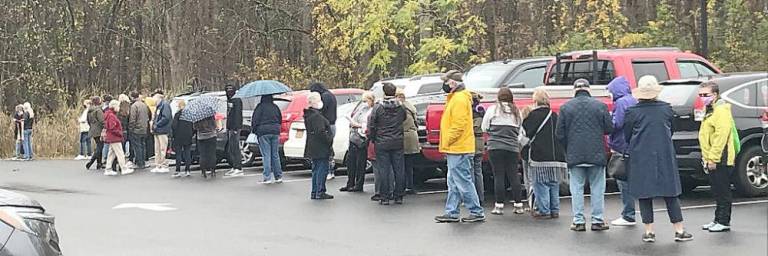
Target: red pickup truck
(599, 67)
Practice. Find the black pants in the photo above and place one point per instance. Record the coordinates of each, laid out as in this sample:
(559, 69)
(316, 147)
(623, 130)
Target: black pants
(207, 151)
(149, 146)
(673, 209)
(504, 166)
(356, 162)
(234, 156)
(410, 159)
(138, 147)
(720, 181)
(183, 154)
(391, 165)
(98, 153)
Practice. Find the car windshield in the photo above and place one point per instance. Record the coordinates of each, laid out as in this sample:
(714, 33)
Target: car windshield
(677, 95)
(485, 76)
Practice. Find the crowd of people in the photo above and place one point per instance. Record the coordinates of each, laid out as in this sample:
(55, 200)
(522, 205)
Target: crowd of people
(548, 144)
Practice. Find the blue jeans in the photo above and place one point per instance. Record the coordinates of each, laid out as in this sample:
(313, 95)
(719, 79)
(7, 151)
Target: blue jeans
(85, 144)
(27, 144)
(319, 173)
(547, 197)
(105, 151)
(596, 177)
(628, 213)
(460, 186)
(391, 166)
(270, 156)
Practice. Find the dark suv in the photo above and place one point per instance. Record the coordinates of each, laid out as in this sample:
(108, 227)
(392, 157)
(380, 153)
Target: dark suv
(748, 95)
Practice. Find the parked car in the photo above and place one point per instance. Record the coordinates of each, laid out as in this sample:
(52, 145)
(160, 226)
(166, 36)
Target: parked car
(294, 147)
(399, 82)
(748, 96)
(423, 84)
(26, 229)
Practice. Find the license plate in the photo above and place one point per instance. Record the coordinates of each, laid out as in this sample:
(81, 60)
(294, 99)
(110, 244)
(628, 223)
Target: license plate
(299, 134)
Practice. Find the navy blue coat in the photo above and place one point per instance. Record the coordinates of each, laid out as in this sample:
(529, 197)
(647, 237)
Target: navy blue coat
(163, 118)
(652, 165)
(267, 118)
(581, 129)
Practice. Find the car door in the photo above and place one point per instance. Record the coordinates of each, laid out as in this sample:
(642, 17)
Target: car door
(527, 76)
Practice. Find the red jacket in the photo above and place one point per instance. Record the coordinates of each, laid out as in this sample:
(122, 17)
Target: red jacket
(114, 130)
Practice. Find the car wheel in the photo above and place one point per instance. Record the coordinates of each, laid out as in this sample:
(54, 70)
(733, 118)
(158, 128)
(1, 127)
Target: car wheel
(751, 173)
(248, 157)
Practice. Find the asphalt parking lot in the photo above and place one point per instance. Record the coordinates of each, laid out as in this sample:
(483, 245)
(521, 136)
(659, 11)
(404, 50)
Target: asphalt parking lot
(153, 214)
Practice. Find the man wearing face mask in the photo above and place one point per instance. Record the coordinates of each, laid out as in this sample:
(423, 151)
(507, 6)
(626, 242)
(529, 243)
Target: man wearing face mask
(719, 143)
(234, 124)
(457, 141)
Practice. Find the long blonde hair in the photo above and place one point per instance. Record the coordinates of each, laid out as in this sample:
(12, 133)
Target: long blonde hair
(28, 109)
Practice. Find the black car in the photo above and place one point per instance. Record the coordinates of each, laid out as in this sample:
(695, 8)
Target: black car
(25, 227)
(748, 95)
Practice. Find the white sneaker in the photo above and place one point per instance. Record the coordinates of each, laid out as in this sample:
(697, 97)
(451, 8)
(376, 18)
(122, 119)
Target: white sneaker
(719, 228)
(129, 164)
(79, 157)
(110, 173)
(230, 172)
(235, 173)
(267, 182)
(518, 208)
(127, 171)
(622, 222)
(163, 170)
(177, 175)
(279, 181)
(154, 170)
(498, 209)
(708, 225)
(331, 176)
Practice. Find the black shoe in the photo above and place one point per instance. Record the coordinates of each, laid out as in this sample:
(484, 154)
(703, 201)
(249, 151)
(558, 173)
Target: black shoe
(599, 227)
(446, 219)
(355, 190)
(344, 189)
(384, 202)
(410, 191)
(649, 237)
(324, 196)
(88, 165)
(683, 237)
(376, 197)
(99, 167)
(578, 227)
(473, 218)
(205, 174)
(399, 200)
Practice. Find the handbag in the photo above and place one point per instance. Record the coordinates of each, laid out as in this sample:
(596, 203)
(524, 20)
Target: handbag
(617, 166)
(356, 139)
(252, 139)
(523, 138)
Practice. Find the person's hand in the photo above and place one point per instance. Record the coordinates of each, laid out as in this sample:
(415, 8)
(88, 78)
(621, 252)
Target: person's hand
(711, 166)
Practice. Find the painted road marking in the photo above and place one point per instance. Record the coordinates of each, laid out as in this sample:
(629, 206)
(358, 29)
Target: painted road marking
(158, 207)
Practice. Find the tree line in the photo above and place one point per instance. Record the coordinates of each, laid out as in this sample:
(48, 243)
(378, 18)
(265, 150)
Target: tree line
(56, 52)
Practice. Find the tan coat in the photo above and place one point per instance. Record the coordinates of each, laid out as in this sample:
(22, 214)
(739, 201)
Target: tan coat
(410, 130)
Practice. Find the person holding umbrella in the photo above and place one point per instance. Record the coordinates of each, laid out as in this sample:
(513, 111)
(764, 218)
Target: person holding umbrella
(201, 112)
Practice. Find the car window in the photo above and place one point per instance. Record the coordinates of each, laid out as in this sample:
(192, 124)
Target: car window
(573, 70)
(282, 104)
(653, 68)
(485, 76)
(762, 94)
(251, 102)
(744, 95)
(694, 69)
(430, 88)
(678, 95)
(342, 99)
(530, 78)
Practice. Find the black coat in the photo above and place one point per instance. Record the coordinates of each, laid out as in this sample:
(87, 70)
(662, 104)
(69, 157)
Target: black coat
(545, 148)
(329, 102)
(234, 114)
(319, 140)
(266, 117)
(581, 129)
(385, 127)
(652, 165)
(181, 131)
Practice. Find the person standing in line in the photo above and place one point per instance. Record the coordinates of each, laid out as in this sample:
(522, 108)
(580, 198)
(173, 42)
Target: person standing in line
(265, 123)
(18, 131)
(329, 112)
(720, 144)
(385, 130)
(234, 125)
(161, 128)
(478, 112)
(149, 143)
(502, 122)
(85, 140)
(138, 125)
(96, 123)
(652, 165)
(457, 141)
(206, 130)
(113, 136)
(182, 141)
(583, 124)
(124, 115)
(104, 106)
(29, 120)
(622, 100)
(358, 149)
(545, 157)
(319, 145)
(411, 149)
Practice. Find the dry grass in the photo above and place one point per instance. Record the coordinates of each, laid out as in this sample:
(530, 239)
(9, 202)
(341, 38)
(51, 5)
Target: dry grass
(55, 136)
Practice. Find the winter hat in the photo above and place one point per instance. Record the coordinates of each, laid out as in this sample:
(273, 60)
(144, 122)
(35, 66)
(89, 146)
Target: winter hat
(648, 88)
(454, 75)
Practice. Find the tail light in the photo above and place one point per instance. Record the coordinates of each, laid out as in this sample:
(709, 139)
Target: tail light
(434, 113)
(285, 126)
(699, 110)
(764, 118)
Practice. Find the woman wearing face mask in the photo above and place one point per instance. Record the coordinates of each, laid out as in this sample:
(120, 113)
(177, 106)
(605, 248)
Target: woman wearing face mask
(719, 143)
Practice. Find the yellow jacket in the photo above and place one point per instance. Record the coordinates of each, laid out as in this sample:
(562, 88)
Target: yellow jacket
(456, 131)
(715, 134)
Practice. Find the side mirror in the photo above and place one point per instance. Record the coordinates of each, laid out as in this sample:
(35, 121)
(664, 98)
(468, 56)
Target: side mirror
(516, 85)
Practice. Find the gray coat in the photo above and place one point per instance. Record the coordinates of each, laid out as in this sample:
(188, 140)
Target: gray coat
(410, 130)
(652, 166)
(138, 122)
(96, 121)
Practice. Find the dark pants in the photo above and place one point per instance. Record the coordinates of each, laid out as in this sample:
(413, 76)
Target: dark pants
(97, 154)
(504, 165)
(356, 162)
(183, 154)
(138, 155)
(234, 156)
(391, 165)
(673, 209)
(410, 160)
(149, 146)
(207, 150)
(477, 177)
(720, 181)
